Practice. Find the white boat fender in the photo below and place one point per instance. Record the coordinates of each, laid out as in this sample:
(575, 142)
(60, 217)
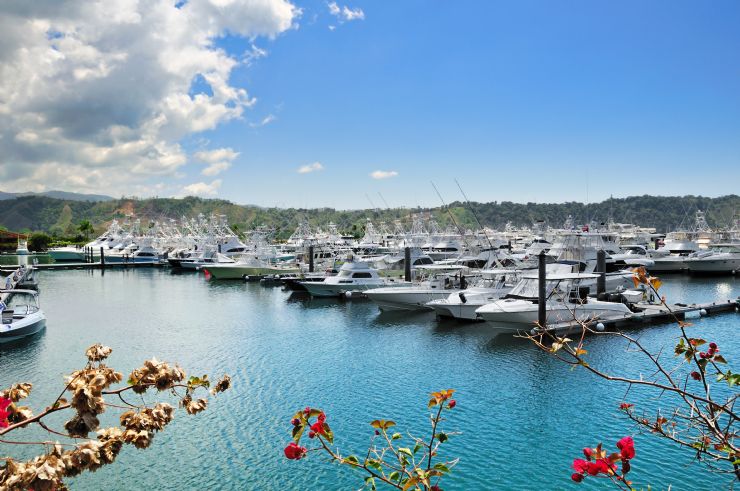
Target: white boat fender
(347, 294)
(600, 327)
(692, 314)
(703, 312)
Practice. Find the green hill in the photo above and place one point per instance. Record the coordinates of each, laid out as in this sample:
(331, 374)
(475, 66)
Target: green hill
(60, 217)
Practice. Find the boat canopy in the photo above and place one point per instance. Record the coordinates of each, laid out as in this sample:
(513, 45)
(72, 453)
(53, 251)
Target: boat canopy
(562, 276)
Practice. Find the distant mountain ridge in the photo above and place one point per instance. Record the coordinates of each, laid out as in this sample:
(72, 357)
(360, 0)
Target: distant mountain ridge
(665, 213)
(59, 195)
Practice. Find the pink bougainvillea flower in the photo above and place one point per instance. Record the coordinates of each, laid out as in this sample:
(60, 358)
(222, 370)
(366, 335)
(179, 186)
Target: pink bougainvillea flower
(576, 477)
(695, 375)
(4, 403)
(587, 452)
(580, 465)
(627, 447)
(452, 403)
(294, 451)
(625, 405)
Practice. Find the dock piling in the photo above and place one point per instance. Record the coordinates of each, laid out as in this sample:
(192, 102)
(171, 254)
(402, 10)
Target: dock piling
(310, 259)
(102, 259)
(601, 270)
(407, 263)
(541, 300)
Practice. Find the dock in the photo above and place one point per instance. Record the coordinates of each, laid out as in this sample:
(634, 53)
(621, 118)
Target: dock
(92, 265)
(652, 313)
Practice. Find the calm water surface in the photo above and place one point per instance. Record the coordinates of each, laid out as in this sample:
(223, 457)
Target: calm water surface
(523, 416)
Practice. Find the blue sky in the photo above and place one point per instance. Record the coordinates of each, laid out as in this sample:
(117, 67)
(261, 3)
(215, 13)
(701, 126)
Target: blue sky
(523, 101)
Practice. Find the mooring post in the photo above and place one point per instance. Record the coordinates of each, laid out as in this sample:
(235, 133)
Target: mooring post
(541, 300)
(601, 270)
(102, 258)
(510, 246)
(407, 263)
(310, 259)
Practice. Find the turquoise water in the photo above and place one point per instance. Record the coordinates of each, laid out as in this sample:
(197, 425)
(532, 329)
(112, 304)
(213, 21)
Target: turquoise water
(523, 416)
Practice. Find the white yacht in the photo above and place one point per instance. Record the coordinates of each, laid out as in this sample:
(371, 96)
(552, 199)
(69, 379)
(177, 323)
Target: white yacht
(245, 267)
(518, 310)
(441, 282)
(671, 257)
(719, 259)
(133, 253)
(22, 248)
(21, 316)
(462, 304)
(632, 255)
(66, 253)
(354, 276)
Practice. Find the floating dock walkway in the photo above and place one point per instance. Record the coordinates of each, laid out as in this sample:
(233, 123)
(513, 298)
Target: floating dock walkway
(652, 313)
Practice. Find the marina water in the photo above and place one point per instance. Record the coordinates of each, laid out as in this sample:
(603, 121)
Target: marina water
(522, 416)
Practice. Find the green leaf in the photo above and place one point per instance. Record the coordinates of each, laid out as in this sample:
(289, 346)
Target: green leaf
(719, 359)
(352, 459)
(370, 480)
(442, 437)
(441, 467)
(328, 434)
(314, 413)
(394, 476)
(696, 342)
(396, 436)
(417, 447)
(374, 464)
(298, 432)
(407, 451)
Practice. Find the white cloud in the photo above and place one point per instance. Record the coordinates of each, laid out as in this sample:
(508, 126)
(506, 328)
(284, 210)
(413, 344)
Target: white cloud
(218, 160)
(305, 169)
(96, 96)
(345, 14)
(202, 188)
(266, 120)
(383, 174)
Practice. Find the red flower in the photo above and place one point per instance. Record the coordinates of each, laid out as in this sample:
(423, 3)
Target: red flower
(576, 477)
(588, 453)
(435, 488)
(452, 403)
(600, 466)
(627, 447)
(625, 406)
(4, 403)
(713, 347)
(295, 421)
(695, 375)
(318, 427)
(626, 466)
(294, 452)
(307, 411)
(580, 465)
(322, 417)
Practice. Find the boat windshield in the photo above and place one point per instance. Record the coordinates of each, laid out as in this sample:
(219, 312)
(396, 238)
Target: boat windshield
(528, 288)
(22, 303)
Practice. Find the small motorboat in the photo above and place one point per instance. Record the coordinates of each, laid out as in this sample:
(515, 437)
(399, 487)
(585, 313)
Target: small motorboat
(21, 315)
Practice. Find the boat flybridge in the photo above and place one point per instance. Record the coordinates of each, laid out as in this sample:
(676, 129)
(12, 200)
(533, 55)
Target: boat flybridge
(22, 248)
(353, 276)
(21, 315)
(566, 300)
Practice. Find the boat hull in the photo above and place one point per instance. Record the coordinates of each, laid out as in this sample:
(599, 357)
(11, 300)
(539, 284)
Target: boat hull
(516, 315)
(713, 266)
(394, 299)
(234, 272)
(21, 328)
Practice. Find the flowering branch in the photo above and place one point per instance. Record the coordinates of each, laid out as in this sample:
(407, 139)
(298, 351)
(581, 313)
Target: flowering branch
(404, 468)
(87, 388)
(702, 423)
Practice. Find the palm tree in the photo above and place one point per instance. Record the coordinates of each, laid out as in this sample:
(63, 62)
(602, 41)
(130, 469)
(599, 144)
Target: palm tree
(86, 228)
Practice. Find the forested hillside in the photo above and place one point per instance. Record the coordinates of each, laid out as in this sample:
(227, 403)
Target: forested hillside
(61, 217)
